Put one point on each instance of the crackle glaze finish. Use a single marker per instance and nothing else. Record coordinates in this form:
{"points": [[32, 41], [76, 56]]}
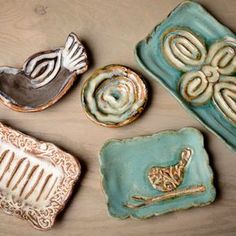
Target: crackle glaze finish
{"points": [[114, 96], [36, 178], [194, 57], [153, 175]]}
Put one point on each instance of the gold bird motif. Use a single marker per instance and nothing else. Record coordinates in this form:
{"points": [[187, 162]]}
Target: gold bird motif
{"points": [[167, 179]]}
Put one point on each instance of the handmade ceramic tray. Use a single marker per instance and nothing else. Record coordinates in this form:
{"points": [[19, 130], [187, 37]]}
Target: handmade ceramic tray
{"points": [[36, 178], [44, 78], [152, 175], [193, 56], [114, 96]]}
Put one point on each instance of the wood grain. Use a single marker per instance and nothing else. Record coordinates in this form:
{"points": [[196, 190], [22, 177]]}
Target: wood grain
{"points": [[110, 29]]}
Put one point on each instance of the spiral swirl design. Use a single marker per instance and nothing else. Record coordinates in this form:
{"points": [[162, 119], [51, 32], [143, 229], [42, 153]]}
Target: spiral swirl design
{"points": [[195, 87], [225, 97], [208, 75], [183, 49], [114, 96]]}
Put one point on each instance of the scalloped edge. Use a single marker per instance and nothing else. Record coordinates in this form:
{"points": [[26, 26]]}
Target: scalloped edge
{"points": [[18, 134], [206, 157]]}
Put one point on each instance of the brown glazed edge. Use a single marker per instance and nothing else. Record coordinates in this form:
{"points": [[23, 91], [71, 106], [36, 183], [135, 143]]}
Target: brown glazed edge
{"points": [[76, 161], [41, 107], [127, 121]]}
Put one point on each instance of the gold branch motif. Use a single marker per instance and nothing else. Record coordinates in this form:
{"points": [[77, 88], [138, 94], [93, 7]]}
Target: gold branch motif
{"points": [[208, 75], [146, 201]]}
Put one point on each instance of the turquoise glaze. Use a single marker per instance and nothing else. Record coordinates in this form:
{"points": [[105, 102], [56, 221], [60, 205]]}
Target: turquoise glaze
{"points": [[150, 55], [125, 164]]}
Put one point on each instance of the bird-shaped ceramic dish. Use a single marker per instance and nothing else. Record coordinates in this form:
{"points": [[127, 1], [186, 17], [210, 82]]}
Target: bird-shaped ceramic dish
{"points": [[152, 175], [44, 78]]}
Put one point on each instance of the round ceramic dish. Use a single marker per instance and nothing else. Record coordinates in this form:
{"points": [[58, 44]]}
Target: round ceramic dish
{"points": [[114, 96]]}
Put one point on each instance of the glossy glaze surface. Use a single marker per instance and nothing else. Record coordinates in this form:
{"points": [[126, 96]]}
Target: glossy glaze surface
{"points": [[153, 175], [123, 24], [36, 178], [194, 57], [114, 96], [44, 78]]}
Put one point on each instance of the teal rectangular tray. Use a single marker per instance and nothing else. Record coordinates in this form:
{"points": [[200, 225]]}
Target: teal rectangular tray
{"points": [[186, 179], [193, 56]]}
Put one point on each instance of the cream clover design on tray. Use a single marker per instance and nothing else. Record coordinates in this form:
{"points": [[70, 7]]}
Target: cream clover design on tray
{"points": [[208, 74]]}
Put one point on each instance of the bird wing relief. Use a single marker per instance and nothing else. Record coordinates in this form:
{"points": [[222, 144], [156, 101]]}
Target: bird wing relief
{"points": [[44, 78], [74, 56], [43, 67]]}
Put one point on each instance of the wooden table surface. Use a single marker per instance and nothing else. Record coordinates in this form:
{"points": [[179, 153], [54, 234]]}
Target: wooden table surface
{"points": [[110, 29]]}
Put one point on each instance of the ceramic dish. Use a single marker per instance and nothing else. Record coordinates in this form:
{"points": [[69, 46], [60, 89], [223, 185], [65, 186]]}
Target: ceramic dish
{"points": [[114, 96], [36, 178], [153, 175], [44, 78], [194, 57]]}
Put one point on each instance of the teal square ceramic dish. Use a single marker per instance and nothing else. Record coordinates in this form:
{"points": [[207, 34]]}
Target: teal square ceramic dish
{"points": [[194, 57], [153, 175]]}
